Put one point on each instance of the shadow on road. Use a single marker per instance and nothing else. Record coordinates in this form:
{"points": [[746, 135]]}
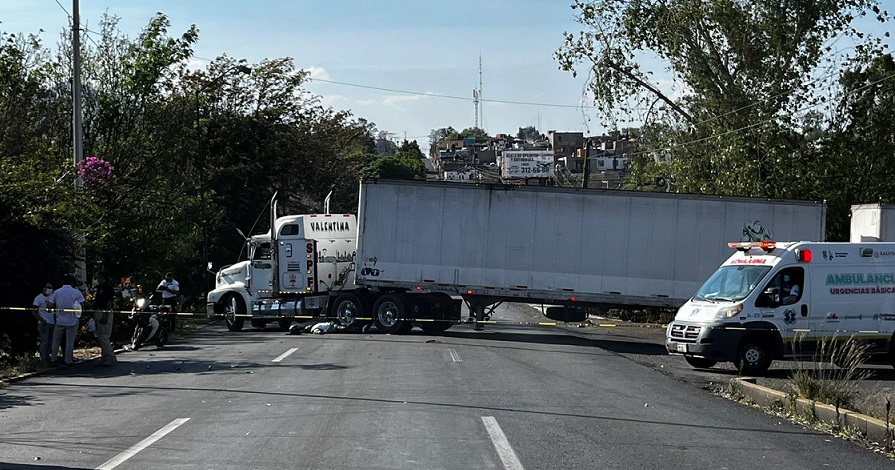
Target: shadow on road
{"points": [[614, 345]]}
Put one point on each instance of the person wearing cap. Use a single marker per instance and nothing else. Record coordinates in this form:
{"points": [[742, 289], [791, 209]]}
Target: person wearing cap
{"points": [[46, 322]]}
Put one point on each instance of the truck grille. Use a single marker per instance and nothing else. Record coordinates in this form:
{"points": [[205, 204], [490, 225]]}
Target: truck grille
{"points": [[685, 332]]}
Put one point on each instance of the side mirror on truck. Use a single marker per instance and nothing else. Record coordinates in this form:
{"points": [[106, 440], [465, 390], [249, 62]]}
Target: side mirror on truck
{"points": [[566, 314]]}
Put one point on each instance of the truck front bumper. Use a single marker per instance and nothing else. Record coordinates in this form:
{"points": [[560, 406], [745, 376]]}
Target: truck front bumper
{"points": [[713, 342]]}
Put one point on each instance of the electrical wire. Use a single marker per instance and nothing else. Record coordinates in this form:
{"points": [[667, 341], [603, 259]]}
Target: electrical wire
{"points": [[453, 97]]}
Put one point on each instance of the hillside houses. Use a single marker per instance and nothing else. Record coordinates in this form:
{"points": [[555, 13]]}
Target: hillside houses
{"points": [[479, 159]]}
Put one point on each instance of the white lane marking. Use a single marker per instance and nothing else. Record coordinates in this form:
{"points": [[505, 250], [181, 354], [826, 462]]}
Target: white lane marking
{"points": [[454, 356], [284, 355], [122, 457], [501, 444]]}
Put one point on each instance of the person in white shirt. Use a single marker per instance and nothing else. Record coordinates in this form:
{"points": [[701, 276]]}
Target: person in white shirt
{"points": [[46, 322], [169, 287], [67, 301]]}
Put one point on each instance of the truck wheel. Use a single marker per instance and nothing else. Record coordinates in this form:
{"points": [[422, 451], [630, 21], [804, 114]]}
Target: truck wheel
{"points": [[259, 324], [435, 327], [754, 357], [236, 307], [699, 362], [388, 313], [347, 308]]}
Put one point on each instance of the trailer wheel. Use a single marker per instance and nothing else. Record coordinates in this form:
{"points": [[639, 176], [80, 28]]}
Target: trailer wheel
{"points": [[435, 327], [754, 357], [347, 308], [699, 362], [235, 308], [389, 313]]}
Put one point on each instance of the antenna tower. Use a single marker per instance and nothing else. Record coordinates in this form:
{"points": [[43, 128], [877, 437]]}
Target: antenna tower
{"points": [[477, 97]]}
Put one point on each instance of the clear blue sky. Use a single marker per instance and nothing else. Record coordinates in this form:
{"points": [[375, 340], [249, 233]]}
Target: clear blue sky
{"points": [[429, 47]]}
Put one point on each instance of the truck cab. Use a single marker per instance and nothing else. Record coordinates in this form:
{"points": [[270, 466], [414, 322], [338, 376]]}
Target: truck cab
{"points": [[785, 300], [289, 272]]}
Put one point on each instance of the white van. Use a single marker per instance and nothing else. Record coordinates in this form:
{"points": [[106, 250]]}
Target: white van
{"points": [[779, 300]]}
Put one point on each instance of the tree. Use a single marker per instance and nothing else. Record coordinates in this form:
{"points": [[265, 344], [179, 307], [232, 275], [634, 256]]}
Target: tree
{"points": [[861, 143], [439, 135], [473, 132], [528, 134], [746, 68], [384, 144]]}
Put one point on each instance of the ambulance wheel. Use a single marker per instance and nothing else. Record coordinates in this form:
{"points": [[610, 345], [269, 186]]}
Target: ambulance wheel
{"points": [[699, 362], [754, 357], [235, 307], [389, 313], [347, 308]]}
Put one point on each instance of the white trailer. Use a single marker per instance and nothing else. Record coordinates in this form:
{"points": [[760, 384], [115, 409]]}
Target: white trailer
{"points": [[872, 223], [421, 246]]}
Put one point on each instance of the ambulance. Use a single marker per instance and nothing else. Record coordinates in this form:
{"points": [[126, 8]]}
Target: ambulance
{"points": [[774, 300]]}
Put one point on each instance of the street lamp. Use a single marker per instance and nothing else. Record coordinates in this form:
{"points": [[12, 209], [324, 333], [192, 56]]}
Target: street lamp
{"points": [[236, 68]]}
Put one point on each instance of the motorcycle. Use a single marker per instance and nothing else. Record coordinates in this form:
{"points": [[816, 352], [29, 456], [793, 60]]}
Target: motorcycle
{"points": [[152, 323]]}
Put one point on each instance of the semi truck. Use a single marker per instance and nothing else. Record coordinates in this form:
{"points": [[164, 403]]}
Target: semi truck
{"points": [[872, 223], [416, 251]]}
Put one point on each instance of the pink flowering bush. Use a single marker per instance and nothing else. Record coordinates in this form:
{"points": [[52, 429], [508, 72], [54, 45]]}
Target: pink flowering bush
{"points": [[94, 170]]}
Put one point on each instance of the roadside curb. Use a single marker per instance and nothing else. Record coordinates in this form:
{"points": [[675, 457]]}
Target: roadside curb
{"points": [[873, 429]]}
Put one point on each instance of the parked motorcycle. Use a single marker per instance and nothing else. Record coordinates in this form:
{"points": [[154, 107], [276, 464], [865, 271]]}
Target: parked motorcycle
{"points": [[152, 323]]}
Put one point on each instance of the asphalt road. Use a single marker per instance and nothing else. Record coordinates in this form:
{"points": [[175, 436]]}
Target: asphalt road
{"points": [[511, 397]]}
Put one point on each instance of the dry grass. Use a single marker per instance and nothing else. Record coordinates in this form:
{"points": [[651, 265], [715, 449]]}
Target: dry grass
{"points": [[834, 373]]}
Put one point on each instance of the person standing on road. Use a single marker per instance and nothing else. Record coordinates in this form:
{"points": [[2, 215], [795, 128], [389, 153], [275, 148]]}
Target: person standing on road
{"points": [[46, 322], [103, 317], [169, 287], [67, 301]]}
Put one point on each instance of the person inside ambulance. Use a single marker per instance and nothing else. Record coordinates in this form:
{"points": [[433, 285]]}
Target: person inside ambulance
{"points": [[790, 290], [785, 287]]}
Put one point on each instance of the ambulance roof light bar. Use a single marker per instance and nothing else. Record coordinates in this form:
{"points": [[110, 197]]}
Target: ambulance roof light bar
{"points": [[767, 246]]}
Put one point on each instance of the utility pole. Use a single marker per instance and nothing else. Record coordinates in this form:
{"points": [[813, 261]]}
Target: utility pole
{"points": [[77, 132]]}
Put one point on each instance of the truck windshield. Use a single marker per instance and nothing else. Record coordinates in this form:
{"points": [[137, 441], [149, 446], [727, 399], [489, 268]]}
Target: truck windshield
{"points": [[731, 283]]}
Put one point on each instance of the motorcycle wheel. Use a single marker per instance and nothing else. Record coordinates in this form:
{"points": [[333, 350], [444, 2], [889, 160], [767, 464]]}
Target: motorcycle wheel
{"points": [[162, 338], [138, 338]]}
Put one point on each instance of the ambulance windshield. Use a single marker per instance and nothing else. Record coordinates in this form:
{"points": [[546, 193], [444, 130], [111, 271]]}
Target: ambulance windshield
{"points": [[731, 283]]}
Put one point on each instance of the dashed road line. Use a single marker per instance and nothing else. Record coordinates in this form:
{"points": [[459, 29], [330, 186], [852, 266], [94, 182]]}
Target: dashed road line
{"points": [[454, 356], [122, 457], [284, 355], [501, 444]]}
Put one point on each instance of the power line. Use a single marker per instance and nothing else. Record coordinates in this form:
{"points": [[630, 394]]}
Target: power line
{"points": [[452, 97], [759, 123]]}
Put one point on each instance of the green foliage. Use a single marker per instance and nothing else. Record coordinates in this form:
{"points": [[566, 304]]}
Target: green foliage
{"points": [[753, 119], [473, 132], [528, 133], [445, 133], [402, 166], [193, 152]]}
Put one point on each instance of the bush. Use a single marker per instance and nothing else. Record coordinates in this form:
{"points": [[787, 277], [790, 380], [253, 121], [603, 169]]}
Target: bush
{"points": [[833, 373]]}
